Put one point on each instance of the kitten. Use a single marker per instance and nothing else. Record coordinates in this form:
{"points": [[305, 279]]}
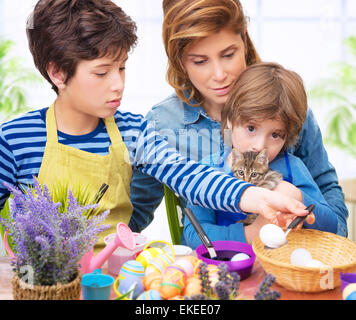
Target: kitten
{"points": [[253, 167]]}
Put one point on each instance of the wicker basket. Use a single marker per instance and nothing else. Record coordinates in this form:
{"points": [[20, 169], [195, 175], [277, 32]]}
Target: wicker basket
{"points": [[336, 252], [68, 291]]}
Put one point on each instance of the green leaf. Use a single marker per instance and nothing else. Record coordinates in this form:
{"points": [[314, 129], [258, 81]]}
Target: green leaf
{"points": [[352, 135], [339, 90], [13, 76]]}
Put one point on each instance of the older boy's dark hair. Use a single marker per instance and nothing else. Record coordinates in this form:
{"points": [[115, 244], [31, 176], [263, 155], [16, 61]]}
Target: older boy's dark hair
{"points": [[267, 91], [67, 31]]}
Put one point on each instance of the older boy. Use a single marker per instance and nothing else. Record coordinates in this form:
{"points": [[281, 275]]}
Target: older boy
{"points": [[81, 47], [266, 109]]}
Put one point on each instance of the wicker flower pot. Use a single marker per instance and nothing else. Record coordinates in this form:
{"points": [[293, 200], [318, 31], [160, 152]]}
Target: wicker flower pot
{"points": [[68, 291]]}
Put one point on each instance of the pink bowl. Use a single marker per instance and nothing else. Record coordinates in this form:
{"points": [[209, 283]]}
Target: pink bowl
{"points": [[225, 251]]}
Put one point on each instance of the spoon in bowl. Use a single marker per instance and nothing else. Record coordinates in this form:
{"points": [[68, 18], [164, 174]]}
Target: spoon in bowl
{"points": [[201, 233]]}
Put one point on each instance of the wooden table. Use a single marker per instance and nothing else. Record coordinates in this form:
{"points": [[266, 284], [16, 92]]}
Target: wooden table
{"points": [[247, 288]]}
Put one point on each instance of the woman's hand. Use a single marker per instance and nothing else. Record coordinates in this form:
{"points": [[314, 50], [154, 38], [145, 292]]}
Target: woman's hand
{"points": [[270, 203]]}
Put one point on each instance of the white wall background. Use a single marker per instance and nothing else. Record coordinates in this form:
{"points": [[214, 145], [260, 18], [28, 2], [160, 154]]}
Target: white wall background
{"points": [[305, 36]]}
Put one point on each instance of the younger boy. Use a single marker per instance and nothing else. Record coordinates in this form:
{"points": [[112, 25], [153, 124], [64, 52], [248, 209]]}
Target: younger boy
{"points": [[266, 109], [81, 47]]}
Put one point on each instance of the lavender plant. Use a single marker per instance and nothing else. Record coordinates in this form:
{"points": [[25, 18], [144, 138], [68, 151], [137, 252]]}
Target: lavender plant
{"points": [[228, 285], [264, 292], [47, 240]]}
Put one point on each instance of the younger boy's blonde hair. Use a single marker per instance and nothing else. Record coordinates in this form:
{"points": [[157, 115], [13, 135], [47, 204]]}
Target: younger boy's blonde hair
{"points": [[267, 91]]}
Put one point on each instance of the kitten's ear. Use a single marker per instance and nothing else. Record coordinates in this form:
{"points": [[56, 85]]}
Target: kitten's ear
{"points": [[262, 157], [236, 155]]}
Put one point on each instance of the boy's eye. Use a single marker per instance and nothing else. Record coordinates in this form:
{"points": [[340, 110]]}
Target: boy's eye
{"points": [[123, 68], [251, 128], [276, 135]]}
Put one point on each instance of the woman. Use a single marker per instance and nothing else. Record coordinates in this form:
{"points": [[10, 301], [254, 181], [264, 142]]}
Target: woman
{"points": [[208, 46]]}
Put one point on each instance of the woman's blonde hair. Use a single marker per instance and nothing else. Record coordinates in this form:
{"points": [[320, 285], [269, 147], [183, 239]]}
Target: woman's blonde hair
{"points": [[267, 91], [186, 21]]}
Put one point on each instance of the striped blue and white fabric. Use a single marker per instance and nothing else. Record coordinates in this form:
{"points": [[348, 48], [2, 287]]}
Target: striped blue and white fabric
{"points": [[23, 140]]}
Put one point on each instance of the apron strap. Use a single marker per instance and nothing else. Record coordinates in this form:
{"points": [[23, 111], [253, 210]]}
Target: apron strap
{"points": [[113, 130], [52, 133], [51, 126]]}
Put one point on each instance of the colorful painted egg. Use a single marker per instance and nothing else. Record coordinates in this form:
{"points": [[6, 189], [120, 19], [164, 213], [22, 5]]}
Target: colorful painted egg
{"points": [[148, 254], [132, 268], [195, 262], [159, 263], [173, 282], [193, 286], [150, 295], [186, 265], [152, 281], [131, 283], [348, 291]]}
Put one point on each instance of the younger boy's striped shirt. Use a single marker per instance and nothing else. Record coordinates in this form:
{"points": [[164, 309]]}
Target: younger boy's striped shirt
{"points": [[23, 140]]}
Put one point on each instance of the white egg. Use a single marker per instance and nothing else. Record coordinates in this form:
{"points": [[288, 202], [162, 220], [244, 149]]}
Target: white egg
{"points": [[240, 257], [272, 236], [300, 257], [314, 264]]}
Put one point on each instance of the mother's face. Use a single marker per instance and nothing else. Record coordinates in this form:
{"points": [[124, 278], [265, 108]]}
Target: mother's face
{"points": [[213, 64]]}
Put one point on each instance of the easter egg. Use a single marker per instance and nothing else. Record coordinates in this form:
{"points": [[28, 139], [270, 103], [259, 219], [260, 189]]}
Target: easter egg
{"points": [[148, 254], [193, 286], [272, 235], [351, 296], [186, 265], [150, 295], [173, 282], [159, 263], [131, 283], [195, 262], [132, 268], [313, 263], [348, 290], [240, 257], [152, 281], [300, 257]]}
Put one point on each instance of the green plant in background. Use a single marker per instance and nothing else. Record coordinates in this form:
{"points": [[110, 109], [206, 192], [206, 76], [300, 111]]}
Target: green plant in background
{"points": [[12, 78], [340, 91]]}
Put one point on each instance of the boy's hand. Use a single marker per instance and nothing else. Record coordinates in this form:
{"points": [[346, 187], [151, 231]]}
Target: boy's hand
{"points": [[284, 220], [268, 203]]}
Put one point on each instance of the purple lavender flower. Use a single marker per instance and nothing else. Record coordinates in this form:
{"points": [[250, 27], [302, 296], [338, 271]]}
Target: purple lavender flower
{"points": [[204, 277], [222, 290], [264, 292], [49, 241]]}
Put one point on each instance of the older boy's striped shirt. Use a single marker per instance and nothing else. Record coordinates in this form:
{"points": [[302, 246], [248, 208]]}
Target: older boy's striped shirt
{"points": [[23, 140]]}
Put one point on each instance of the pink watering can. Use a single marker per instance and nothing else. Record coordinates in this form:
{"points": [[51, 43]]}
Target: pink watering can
{"points": [[89, 262]]}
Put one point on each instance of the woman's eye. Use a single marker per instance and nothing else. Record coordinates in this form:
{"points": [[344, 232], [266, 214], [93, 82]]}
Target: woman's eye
{"points": [[198, 62], [275, 135], [229, 55], [100, 74], [251, 128]]}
